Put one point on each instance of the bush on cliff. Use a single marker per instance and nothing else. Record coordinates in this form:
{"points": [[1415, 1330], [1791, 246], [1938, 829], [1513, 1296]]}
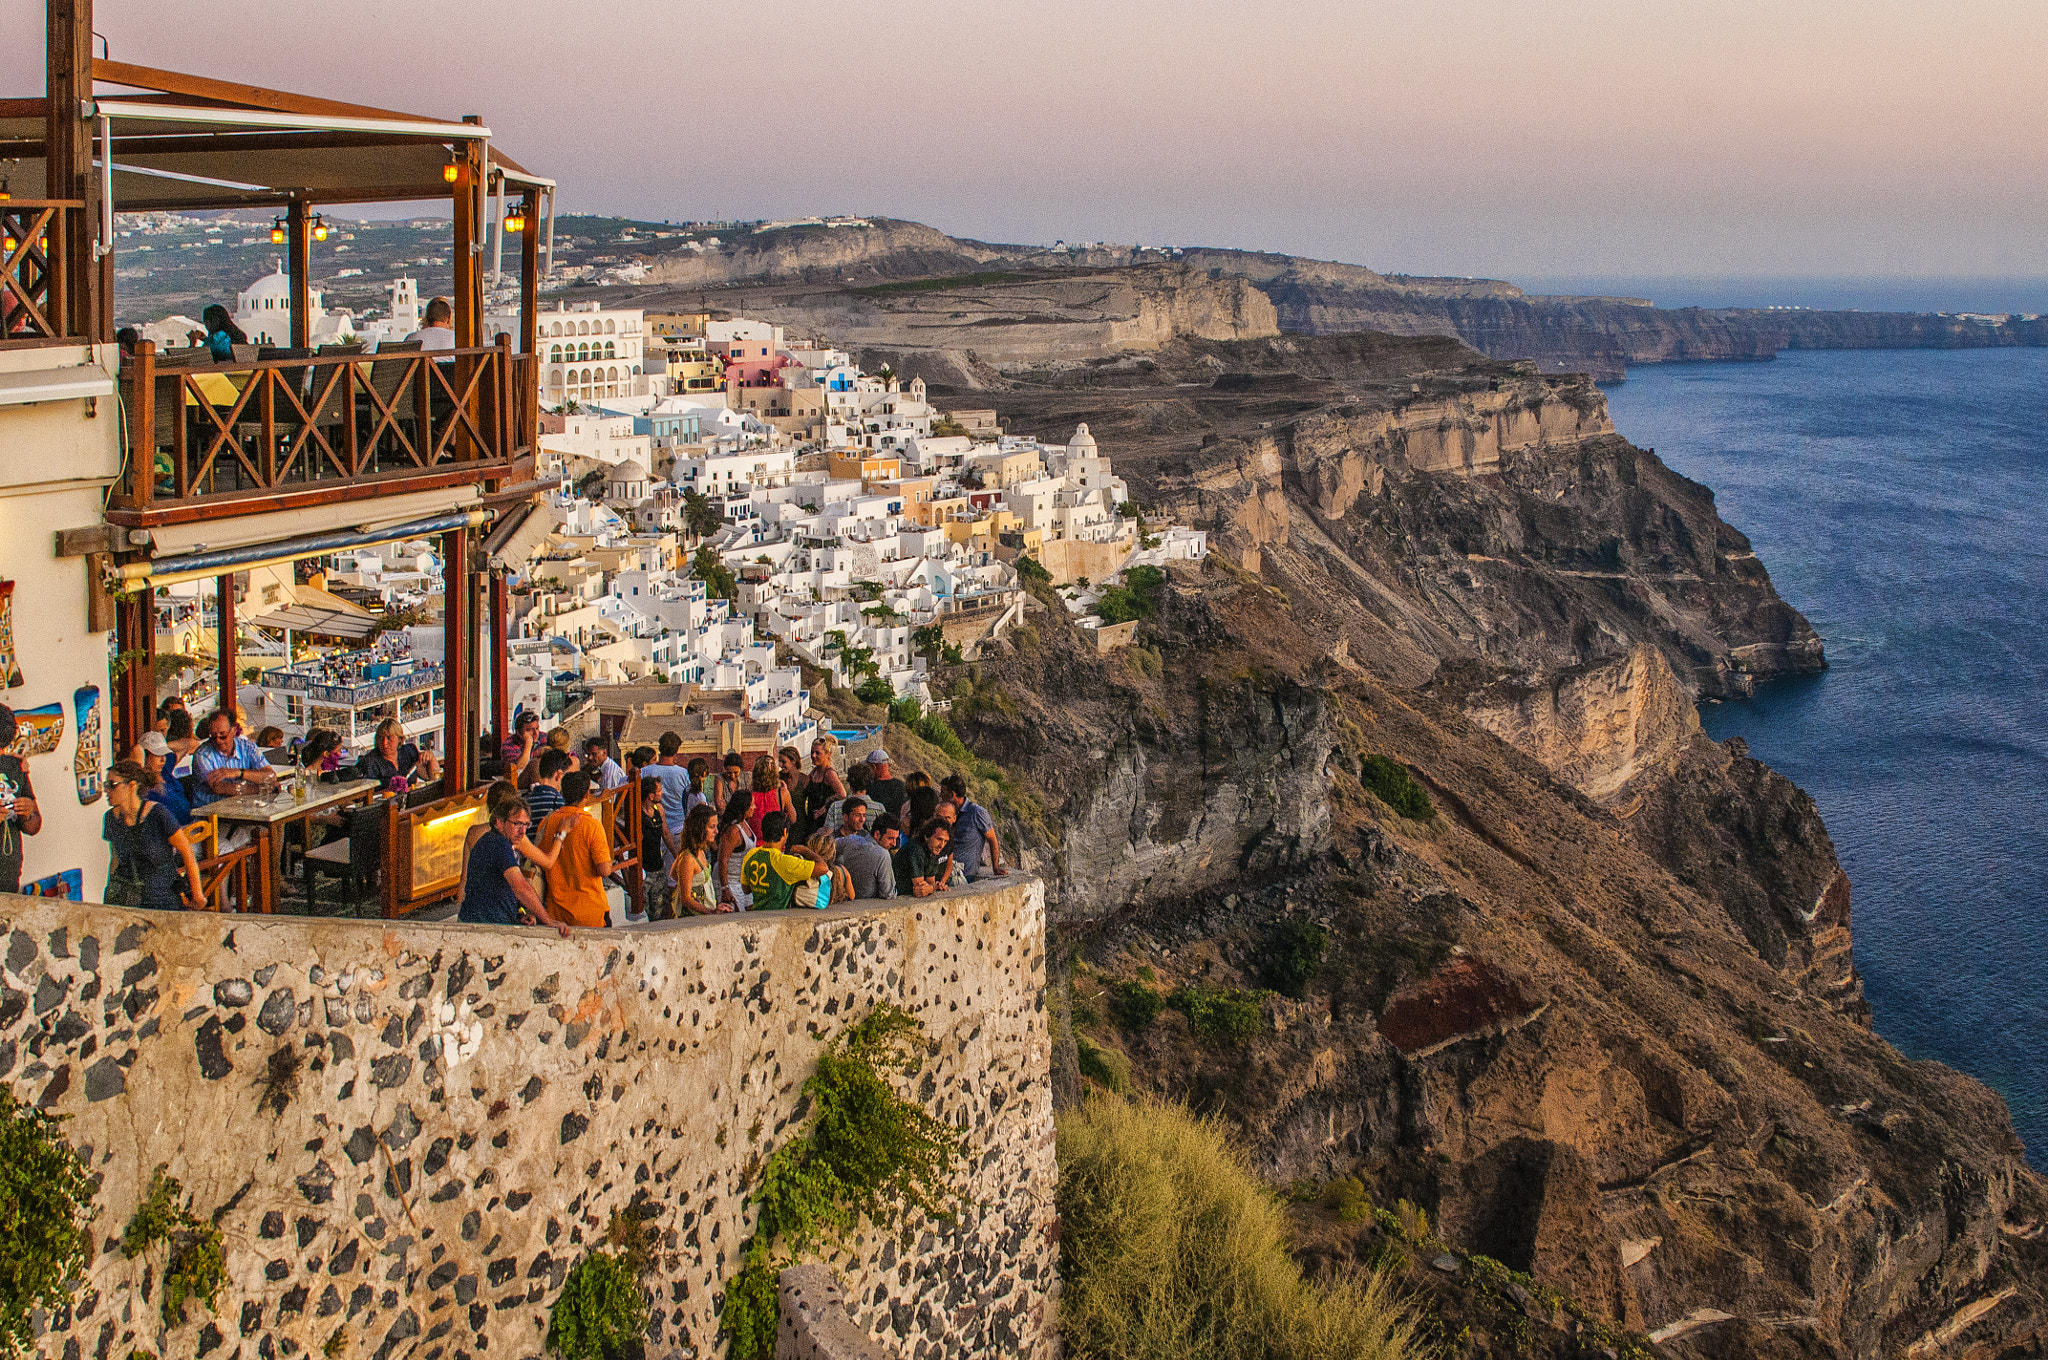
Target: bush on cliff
{"points": [[46, 1206], [1391, 783], [600, 1311], [1169, 1250]]}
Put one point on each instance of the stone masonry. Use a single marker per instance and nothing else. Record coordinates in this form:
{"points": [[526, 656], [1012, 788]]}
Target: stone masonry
{"points": [[408, 1133]]}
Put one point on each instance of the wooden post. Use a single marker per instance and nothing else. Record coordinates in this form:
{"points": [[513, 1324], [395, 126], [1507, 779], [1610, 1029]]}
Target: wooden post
{"points": [[501, 661], [458, 662], [469, 236], [529, 274], [68, 167], [224, 628], [141, 377], [135, 643], [298, 236]]}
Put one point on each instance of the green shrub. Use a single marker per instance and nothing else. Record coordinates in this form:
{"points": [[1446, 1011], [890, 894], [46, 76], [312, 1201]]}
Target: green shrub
{"points": [[195, 1262], [1346, 1198], [867, 1153], [1391, 783], [1030, 572], [1133, 1005], [874, 690], [1218, 1014], [600, 1310], [1169, 1250], [718, 580], [46, 1207], [1136, 598], [1293, 956], [1105, 1065]]}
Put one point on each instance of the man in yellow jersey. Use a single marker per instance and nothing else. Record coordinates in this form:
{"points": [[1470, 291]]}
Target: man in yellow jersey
{"points": [[772, 876]]}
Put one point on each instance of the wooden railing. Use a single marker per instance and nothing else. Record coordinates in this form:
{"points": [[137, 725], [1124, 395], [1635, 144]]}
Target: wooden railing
{"points": [[424, 847], [210, 439], [35, 275]]}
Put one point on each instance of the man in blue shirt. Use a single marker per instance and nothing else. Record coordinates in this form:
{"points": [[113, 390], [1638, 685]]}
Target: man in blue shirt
{"points": [[546, 794], [493, 888], [229, 764], [873, 873], [675, 784], [974, 832], [601, 765]]}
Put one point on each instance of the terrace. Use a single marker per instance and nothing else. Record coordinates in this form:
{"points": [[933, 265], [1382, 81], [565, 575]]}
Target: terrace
{"points": [[188, 469], [280, 453]]}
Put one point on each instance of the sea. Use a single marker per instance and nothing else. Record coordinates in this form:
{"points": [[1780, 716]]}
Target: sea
{"points": [[1899, 499]]}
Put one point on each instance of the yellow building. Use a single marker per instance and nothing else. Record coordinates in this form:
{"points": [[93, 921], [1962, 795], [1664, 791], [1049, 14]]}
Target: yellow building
{"points": [[865, 466], [695, 370], [1005, 470]]}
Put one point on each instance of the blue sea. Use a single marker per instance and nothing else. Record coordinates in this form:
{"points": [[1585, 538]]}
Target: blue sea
{"points": [[1900, 500]]}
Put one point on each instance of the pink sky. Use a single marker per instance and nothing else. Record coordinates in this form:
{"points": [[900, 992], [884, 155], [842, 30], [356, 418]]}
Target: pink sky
{"points": [[1758, 139]]}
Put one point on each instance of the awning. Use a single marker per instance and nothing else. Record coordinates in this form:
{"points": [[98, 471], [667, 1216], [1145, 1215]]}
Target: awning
{"points": [[197, 566], [331, 623], [196, 142]]}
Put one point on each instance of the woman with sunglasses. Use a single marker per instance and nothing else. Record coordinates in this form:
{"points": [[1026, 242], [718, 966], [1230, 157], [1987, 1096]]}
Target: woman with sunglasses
{"points": [[148, 843]]}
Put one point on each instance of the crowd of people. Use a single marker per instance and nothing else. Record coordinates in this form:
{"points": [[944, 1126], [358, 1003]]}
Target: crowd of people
{"points": [[729, 838]]}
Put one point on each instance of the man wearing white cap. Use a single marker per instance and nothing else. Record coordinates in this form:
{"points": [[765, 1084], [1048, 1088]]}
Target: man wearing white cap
{"points": [[891, 792]]}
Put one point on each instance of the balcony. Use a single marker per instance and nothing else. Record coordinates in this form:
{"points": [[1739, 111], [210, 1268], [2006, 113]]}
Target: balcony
{"points": [[280, 433], [34, 271]]}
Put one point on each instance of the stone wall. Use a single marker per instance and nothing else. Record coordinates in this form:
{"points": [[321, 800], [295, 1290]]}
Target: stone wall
{"points": [[408, 1134]]}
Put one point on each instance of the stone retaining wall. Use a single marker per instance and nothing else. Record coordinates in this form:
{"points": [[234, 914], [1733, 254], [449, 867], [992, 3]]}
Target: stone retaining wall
{"points": [[409, 1133]]}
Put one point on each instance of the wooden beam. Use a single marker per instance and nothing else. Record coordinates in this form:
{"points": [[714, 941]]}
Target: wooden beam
{"points": [[458, 662], [95, 538], [224, 638], [134, 697], [529, 274], [68, 165], [467, 256], [233, 92], [24, 108], [501, 662], [298, 237], [229, 505]]}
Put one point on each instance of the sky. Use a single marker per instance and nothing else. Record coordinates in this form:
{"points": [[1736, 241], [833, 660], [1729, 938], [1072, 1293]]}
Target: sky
{"points": [[1788, 140]]}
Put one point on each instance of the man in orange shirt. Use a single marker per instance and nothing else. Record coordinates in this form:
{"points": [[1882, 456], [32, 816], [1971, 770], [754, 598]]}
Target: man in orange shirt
{"points": [[583, 853]]}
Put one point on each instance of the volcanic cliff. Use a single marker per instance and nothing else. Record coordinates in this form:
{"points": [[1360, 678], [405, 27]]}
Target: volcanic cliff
{"points": [[1596, 1012]]}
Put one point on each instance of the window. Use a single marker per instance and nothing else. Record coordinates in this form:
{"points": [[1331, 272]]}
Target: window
{"points": [[610, 350]]}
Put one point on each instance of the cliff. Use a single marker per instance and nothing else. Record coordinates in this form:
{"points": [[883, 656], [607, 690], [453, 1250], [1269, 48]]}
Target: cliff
{"points": [[1008, 306], [408, 1134], [1598, 1016]]}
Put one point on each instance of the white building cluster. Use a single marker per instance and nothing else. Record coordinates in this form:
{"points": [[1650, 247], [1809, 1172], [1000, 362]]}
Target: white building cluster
{"points": [[728, 501]]}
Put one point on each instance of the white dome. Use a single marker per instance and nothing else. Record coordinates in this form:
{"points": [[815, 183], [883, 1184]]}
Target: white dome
{"points": [[1082, 439], [277, 285]]}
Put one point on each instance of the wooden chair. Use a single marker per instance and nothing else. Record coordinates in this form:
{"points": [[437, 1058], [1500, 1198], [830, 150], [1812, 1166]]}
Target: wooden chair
{"points": [[356, 857], [389, 380]]}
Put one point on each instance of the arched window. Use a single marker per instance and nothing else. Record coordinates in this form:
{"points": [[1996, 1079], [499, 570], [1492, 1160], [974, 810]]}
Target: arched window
{"points": [[583, 328], [612, 375], [555, 355], [582, 352], [636, 370], [555, 329], [610, 350], [611, 328]]}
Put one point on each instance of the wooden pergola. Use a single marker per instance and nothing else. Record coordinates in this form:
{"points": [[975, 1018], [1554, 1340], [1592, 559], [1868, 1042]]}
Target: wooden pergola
{"points": [[314, 448]]}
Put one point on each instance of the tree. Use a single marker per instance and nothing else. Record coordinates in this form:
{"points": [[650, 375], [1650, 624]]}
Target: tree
{"points": [[927, 640], [874, 690], [700, 516], [718, 582]]}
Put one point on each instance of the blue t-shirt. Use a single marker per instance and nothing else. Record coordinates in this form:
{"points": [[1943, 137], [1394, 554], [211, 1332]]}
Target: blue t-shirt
{"points": [[542, 799], [969, 842], [675, 793], [208, 758], [487, 899], [172, 795]]}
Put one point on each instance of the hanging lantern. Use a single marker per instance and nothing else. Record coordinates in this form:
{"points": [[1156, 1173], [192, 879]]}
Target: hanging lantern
{"points": [[277, 231], [515, 220], [319, 227], [449, 171]]}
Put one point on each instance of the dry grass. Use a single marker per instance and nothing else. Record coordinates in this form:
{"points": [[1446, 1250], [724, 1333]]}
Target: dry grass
{"points": [[1170, 1250]]}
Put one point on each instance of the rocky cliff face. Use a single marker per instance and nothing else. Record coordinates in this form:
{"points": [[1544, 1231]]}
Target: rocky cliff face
{"points": [[846, 255], [971, 333], [1599, 1015]]}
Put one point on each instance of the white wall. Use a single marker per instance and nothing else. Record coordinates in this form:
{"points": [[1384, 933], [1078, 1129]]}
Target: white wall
{"points": [[55, 462]]}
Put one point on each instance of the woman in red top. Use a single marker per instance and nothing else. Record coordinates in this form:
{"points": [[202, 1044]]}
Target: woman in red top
{"points": [[770, 794]]}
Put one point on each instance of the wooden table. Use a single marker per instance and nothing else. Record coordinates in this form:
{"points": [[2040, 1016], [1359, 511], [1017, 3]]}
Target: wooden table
{"points": [[270, 813]]}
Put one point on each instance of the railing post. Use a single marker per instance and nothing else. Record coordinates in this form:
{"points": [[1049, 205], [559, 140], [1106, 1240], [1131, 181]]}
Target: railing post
{"points": [[501, 401], [141, 375]]}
